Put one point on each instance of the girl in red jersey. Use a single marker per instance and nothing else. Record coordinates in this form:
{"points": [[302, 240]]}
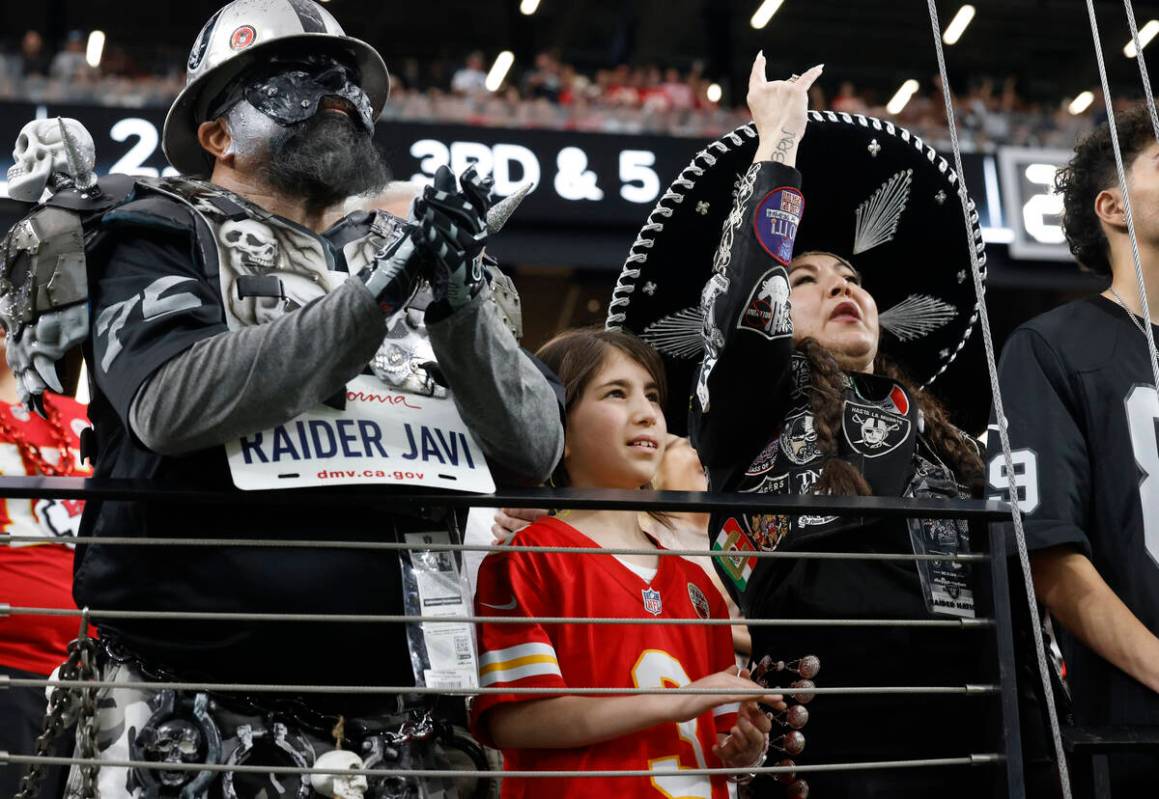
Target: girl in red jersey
{"points": [[615, 437]]}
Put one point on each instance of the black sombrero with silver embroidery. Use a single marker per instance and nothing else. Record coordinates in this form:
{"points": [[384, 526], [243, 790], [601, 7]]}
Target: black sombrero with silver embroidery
{"points": [[874, 194]]}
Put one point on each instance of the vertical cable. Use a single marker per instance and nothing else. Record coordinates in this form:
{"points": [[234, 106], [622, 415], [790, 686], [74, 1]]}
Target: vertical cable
{"points": [[1000, 415]]}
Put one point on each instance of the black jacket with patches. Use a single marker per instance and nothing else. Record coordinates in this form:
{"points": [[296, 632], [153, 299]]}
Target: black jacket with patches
{"points": [[754, 432]]}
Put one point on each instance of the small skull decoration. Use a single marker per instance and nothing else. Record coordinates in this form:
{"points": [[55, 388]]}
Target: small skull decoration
{"points": [[251, 246], [340, 786], [40, 156], [174, 741], [402, 360]]}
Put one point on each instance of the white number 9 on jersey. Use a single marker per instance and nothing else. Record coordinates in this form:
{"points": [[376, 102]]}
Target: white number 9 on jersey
{"points": [[1025, 480]]}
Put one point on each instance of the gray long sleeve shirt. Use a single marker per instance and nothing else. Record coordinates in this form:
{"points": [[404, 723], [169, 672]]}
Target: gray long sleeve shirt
{"points": [[245, 380]]}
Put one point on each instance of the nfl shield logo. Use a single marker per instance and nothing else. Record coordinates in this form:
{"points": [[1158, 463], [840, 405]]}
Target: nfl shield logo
{"points": [[652, 601]]}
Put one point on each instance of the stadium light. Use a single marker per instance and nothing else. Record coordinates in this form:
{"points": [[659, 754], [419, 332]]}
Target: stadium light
{"points": [[765, 12], [1146, 34], [499, 69], [958, 24], [902, 96], [1081, 103], [528, 7], [714, 93], [95, 48]]}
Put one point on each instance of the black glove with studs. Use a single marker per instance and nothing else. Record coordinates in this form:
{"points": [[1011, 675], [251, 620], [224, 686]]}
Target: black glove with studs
{"points": [[394, 276], [452, 231]]}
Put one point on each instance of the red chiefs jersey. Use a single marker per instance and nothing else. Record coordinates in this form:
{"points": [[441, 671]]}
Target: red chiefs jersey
{"points": [[602, 656], [38, 574]]}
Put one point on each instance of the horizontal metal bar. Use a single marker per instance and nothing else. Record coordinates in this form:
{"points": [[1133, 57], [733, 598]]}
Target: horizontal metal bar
{"points": [[899, 690], [393, 546], [969, 760], [176, 615], [585, 498]]}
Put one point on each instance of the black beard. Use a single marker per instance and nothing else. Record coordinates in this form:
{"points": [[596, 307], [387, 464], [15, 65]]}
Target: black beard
{"points": [[324, 160]]}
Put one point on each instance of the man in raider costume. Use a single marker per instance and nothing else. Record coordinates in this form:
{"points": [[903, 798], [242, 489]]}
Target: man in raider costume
{"points": [[221, 305]]}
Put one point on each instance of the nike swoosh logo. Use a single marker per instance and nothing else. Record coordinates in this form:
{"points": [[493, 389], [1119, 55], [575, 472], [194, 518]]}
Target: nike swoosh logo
{"points": [[509, 606]]}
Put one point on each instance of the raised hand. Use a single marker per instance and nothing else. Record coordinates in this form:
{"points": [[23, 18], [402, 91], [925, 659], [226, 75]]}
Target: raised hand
{"points": [[452, 232], [779, 109], [393, 277]]}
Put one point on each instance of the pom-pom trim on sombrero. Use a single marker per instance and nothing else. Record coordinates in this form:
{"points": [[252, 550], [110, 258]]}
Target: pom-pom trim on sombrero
{"points": [[877, 220]]}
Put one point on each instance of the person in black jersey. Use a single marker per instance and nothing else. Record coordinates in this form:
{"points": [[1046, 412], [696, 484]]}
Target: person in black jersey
{"points": [[1083, 419], [794, 395]]}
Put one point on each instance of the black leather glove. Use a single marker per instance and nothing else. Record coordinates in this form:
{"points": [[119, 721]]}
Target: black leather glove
{"points": [[451, 219], [394, 277]]}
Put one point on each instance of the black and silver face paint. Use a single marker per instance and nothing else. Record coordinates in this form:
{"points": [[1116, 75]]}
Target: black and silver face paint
{"points": [[291, 91]]}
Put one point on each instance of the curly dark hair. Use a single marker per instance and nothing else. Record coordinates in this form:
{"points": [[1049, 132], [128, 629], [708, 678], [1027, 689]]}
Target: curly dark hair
{"points": [[839, 477], [1092, 170]]}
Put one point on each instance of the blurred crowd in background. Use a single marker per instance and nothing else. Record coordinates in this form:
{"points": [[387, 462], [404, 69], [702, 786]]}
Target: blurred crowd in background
{"points": [[551, 93]]}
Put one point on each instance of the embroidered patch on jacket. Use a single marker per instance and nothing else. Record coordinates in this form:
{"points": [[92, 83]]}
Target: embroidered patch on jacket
{"points": [[733, 541], [874, 431], [768, 530], [799, 439], [766, 460], [767, 311], [777, 217]]}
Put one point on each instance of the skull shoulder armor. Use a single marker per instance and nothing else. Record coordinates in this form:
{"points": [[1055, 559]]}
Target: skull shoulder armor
{"points": [[42, 266], [43, 294]]}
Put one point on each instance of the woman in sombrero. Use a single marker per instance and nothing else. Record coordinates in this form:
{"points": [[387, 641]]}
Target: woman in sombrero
{"points": [[814, 275]]}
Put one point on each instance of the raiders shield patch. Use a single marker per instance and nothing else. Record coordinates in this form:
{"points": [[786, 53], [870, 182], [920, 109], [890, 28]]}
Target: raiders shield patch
{"points": [[776, 220], [699, 601], [873, 431], [767, 311]]}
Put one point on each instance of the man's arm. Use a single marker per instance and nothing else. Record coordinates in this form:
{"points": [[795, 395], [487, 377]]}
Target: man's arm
{"points": [[503, 397], [1070, 587], [251, 379]]}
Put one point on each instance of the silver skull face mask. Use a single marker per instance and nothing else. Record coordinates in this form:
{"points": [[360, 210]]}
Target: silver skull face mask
{"points": [[293, 91]]}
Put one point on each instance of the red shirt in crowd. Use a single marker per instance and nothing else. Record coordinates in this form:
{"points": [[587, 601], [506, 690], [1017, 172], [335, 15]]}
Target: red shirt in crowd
{"points": [[38, 574]]}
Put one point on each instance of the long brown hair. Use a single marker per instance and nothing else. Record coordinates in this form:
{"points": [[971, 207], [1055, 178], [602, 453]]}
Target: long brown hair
{"points": [[577, 355], [826, 401]]}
